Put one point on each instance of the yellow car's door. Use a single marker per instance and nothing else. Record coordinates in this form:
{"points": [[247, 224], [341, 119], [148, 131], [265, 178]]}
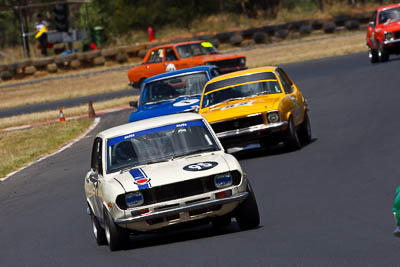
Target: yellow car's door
{"points": [[296, 103]]}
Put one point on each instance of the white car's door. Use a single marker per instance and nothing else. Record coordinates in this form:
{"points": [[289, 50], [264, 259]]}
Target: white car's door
{"points": [[93, 178]]}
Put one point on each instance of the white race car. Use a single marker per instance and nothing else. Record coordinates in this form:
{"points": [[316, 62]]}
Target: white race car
{"points": [[160, 172]]}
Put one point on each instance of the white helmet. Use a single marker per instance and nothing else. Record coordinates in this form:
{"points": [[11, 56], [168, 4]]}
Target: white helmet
{"points": [[170, 67]]}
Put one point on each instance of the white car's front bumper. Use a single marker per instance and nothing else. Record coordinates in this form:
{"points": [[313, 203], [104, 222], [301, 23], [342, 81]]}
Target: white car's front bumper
{"points": [[181, 213]]}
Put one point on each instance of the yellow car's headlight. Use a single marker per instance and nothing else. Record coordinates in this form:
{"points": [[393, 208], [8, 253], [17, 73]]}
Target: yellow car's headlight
{"points": [[273, 116]]}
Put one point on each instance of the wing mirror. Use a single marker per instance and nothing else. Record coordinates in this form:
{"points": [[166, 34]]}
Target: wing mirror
{"points": [[133, 104], [93, 177]]}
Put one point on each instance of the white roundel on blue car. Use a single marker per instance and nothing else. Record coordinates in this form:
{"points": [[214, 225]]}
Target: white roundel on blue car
{"points": [[185, 102]]}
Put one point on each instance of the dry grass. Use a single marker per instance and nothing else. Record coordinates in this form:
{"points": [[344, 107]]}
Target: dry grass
{"points": [[300, 51], [22, 147], [63, 89], [51, 115]]}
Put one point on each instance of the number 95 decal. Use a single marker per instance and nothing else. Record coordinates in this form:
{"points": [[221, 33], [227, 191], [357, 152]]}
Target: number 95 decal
{"points": [[200, 166]]}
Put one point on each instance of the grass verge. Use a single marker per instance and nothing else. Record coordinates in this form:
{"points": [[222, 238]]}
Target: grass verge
{"points": [[21, 147]]}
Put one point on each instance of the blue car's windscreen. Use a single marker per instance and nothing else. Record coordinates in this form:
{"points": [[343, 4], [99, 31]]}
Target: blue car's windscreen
{"points": [[174, 87], [158, 144]]}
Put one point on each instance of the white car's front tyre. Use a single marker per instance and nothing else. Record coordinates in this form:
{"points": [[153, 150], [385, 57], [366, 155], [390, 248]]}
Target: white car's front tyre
{"points": [[116, 237], [98, 231], [247, 215]]}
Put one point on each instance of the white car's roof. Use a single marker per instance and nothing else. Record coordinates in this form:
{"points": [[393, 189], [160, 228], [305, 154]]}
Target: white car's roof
{"points": [[148, 124]]}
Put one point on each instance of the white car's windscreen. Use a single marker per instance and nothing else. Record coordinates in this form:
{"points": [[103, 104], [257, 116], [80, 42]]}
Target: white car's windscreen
{"points": [[174, 87], [159, 144]]}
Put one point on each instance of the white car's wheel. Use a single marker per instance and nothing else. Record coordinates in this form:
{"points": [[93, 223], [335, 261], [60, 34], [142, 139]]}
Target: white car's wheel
{"points": [[247, 215], [116, 236], [98, 231]]}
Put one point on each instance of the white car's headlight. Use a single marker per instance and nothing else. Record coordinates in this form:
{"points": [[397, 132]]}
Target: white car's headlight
{"points": [[134, 199], [223, 180], [389, 36], [273, 116]]}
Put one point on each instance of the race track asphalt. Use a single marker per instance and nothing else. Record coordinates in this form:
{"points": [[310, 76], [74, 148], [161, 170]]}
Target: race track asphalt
{"points": [[328, 204]]}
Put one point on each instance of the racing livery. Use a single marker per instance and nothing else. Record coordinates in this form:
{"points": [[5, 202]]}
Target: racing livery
{"points": [[172, 92], [183, 55], [396, 211], [383, 34], [160, 172], [261, 104]]}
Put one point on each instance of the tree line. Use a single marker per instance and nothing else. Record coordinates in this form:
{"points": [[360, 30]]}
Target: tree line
{"points": [[122, 16]]}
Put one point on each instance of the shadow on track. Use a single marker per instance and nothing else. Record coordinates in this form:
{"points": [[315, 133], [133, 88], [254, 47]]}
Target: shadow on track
{"points": [[181, 235], [265, 152]]}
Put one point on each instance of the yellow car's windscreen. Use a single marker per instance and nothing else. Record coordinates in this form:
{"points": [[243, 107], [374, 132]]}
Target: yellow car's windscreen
{"points": [[240, 91]]}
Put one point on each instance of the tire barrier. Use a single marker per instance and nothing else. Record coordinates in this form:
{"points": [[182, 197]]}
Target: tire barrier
{"points": [[363, 18], [6, 75], [224, 37], [317, 24], [282, 33], [340, 20], [259, 37], [121, 57], [296, 25], [329, 27], [305, 30], [269, 29], [248, 33], [236, 40], [352, 25]]}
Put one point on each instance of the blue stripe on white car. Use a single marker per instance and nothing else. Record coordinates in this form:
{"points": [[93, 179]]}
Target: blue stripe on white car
{"points": [[140, 178]]}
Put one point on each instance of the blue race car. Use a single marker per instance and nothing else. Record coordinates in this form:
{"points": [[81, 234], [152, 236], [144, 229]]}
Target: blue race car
{"points": [[172, 92]]}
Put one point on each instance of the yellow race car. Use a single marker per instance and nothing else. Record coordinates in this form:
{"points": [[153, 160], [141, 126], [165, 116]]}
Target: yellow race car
{"points": [[261, 104]]}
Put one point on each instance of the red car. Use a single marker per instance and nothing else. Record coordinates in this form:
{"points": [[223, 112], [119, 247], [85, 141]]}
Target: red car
{"points": [[183, 55], [383, 36]]}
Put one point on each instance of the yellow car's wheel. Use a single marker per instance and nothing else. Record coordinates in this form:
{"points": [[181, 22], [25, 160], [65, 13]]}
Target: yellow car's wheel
{"points": [[305, 134], [292, 140]]}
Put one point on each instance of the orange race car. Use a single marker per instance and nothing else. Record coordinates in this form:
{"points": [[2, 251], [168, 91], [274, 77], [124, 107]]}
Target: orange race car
{"points": [[183, 55]]}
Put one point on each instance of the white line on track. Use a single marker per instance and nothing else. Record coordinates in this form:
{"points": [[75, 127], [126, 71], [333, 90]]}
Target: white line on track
{"points": [[94, 124]]}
